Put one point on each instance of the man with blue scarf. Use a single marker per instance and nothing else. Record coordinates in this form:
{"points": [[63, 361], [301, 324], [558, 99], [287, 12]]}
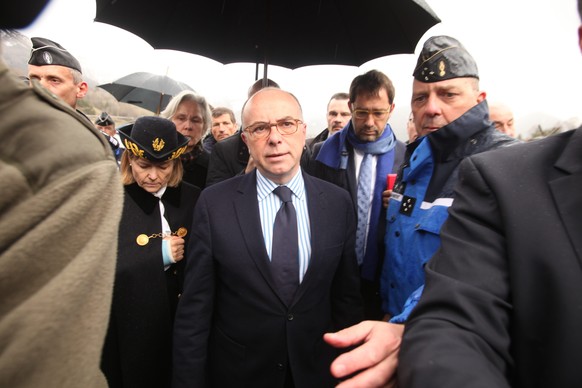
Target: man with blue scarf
{"points": [[452, 120], [359, 158]]}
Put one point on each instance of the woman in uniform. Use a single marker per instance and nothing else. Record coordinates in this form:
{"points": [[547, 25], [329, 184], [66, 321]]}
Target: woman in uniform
{"points": [[153, 233]]}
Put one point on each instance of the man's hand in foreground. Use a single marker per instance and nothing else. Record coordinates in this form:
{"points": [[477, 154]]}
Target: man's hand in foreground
{"points": [[375, 357]]}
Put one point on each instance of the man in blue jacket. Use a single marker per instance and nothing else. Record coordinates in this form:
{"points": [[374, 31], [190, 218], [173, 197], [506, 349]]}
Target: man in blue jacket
{"points": [[452, 120]]}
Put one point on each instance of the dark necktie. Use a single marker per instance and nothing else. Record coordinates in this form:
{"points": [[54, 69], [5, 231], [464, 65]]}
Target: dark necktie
{"points": [[285, 252]]}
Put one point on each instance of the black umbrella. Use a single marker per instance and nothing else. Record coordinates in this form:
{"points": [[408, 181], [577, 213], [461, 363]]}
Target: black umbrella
{"points": [[288, 33], [150, 91]]}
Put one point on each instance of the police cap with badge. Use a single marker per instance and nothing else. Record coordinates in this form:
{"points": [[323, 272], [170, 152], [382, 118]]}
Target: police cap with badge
{"points": [[153, 138], [443, 58], [104, 120], [46, 52]]}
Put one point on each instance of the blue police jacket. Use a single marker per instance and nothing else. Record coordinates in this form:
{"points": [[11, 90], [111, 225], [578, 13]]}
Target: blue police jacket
{"points": [[420, 200]]}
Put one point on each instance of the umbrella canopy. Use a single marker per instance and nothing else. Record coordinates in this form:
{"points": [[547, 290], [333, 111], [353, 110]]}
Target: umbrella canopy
{"points": [[288, 33], [150, 91]]}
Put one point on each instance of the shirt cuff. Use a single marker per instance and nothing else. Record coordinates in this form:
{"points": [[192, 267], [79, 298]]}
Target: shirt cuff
{"points": [[167, 253]]}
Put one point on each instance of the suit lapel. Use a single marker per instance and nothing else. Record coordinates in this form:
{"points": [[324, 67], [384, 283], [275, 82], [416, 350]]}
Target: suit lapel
{"points": [[566, 186], [249, 221]]}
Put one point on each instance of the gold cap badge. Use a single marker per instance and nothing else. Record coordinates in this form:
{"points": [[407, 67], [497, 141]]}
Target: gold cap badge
{"points": [[442, 69], [158, 144]]}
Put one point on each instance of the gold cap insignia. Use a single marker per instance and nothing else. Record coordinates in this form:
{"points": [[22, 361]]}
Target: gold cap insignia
{"points": [[158, 144], [442, 71]]}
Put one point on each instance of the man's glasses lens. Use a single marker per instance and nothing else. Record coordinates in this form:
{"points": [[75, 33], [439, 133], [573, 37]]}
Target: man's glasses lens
{"points": [[285, 127], [377, 114]]}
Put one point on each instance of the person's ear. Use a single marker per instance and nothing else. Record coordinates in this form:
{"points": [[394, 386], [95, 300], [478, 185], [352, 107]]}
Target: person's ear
{"points": [[83, 89]]}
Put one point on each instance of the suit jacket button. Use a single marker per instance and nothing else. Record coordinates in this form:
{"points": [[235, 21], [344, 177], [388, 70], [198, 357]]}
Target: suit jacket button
{"points": [[280, 366], [179, 295], [289, 317]]}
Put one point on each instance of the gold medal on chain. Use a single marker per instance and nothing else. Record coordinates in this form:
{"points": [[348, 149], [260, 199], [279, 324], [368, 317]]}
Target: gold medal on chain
{"points": [[142, 240]]}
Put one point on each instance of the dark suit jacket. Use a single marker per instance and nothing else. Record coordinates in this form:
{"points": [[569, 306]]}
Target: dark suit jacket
{"points": [[231, 325], [228, 158], [502, 303]]}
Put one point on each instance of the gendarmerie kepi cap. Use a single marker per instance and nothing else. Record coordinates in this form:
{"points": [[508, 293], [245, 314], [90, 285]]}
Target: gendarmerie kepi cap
{"points": [[46, 52], [153, 138], [104, 119], [442, 58]]}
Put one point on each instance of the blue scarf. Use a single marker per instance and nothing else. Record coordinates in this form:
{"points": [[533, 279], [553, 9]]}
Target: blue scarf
{"points": [[334, 153]]}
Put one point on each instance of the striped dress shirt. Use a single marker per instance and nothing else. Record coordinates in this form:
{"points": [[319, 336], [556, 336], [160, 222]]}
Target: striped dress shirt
{"points": [[269, 204]]}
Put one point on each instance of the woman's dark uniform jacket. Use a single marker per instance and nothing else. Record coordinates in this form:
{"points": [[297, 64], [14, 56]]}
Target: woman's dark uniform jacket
{"points": [[145, 296]]}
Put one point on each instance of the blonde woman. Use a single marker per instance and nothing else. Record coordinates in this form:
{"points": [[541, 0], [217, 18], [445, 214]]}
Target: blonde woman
{"points": [[153, 234]]}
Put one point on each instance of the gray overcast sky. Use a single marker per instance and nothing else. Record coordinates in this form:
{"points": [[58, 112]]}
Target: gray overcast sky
{"points": [[526, 50]]}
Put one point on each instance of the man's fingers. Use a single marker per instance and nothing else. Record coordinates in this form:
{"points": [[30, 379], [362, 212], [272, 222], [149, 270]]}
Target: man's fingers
{"points": [[382, 375], [363, 357], [375, 358], [353, 335]]}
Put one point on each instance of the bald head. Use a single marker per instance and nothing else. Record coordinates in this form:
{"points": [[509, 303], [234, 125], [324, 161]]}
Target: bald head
{"points": [[274, 131], [260, 101]]}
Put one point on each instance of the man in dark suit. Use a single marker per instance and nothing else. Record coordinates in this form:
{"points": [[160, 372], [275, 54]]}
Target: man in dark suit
{"points": [[235, 325], [339, 159]]}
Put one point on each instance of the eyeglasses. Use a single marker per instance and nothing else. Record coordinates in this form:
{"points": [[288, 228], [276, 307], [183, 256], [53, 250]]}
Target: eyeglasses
{"points": [[262, 130], [378, 114]]}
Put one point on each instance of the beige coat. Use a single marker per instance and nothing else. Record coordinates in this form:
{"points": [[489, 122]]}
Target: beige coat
{"points": [[60, 204]]}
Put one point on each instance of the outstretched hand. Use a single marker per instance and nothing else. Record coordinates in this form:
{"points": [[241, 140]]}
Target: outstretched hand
{"points": [[374, 359]]}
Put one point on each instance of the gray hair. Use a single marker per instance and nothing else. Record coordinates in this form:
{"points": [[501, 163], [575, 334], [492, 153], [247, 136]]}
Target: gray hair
{"points": [[188, 95], [77, 76]]}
